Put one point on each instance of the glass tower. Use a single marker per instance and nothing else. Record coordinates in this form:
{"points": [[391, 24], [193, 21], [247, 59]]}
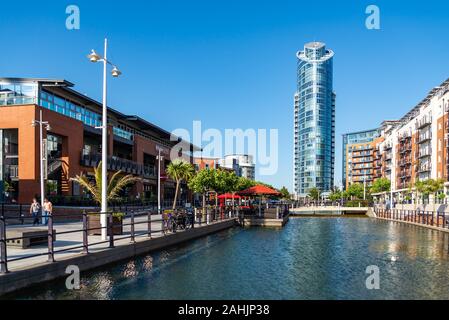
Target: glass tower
{"points": [[314, 137]]}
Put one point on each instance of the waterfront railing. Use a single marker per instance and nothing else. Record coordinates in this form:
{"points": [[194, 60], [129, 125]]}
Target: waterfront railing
{"points": [[169, 223], [427, 218]]}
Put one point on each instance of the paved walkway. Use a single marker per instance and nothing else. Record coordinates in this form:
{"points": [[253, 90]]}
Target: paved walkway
{"points": [[69, 241]]}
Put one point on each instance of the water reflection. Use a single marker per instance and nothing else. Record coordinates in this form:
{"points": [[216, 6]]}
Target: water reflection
{"points": [[311, 258]]}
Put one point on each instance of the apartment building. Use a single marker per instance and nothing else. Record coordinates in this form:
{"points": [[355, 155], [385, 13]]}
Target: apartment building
{"points": [[358, 154], [73, 143], [410, 149], [242, 164]]}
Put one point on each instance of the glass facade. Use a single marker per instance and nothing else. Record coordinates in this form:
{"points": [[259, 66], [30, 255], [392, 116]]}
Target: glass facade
{"points": [[22, 93], [355, 138], [314, 153], [18, 93]]}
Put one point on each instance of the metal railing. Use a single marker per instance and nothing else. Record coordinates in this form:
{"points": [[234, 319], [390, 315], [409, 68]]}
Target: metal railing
{"points": [[428, 218], [169, 224]]}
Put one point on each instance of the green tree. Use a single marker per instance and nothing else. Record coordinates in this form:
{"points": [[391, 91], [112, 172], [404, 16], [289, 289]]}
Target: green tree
{"points": [[245, 183], [203, 182], [179, 170], [285, 194], [336, 194], [434, 187], [421, 189], [116, 184], [314, 193], [355, 191], [381, 185]]}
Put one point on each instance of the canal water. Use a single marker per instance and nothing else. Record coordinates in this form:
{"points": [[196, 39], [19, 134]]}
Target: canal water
{"points": [[311, 258]]}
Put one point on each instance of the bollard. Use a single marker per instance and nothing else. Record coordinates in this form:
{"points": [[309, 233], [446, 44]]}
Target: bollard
{"points": [[3, 246], [51, 253], [85, 233], [149, 224], [207, 217], [133, 237], [111, 230]]}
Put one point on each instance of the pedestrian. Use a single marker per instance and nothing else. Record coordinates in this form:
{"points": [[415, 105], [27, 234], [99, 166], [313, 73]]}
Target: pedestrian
{"points": [[48, 209], [34, 211]]}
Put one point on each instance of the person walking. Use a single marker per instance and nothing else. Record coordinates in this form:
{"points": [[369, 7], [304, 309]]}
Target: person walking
{"points": [[48, 209], [34, 211]]}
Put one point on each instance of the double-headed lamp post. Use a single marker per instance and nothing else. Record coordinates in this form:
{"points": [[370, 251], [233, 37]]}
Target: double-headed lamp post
{"points": [[94, 57], [42, 154]]}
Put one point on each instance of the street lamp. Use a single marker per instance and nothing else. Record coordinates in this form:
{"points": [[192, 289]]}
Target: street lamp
{"points": [[43, 156], [159, 158], [94, 57]]}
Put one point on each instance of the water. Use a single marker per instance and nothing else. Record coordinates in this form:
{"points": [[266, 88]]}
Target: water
{"points": [[311, 258]]}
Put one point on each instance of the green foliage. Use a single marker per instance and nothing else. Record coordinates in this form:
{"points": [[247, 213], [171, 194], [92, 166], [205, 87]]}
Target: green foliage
{"points": [[179, 170], [314, 194], [285, 194], [381, 185], [116, 184], [204, 181], [336, 194], [357, 203], [245, 183], [355, 191]]}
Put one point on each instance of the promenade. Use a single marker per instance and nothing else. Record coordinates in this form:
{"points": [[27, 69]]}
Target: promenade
{"points": [[34, 264]]}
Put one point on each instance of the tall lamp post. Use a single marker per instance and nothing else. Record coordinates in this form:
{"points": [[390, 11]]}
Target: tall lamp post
{"points": [[42, 154], [115, 72], [159, 159]]}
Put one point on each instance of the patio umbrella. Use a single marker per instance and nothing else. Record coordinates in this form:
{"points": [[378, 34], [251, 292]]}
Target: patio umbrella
{"points": [[260, 191]]}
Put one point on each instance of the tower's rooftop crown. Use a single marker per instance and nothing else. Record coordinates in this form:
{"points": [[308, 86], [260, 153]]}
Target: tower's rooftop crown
{"points": [[314, 45]]}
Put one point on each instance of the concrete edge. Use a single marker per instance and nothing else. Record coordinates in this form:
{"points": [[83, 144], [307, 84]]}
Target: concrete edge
{"points": [[44, 272], [415, 224]]}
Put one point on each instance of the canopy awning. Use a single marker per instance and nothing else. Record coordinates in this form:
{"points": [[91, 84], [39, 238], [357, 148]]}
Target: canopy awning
{"points": [[259, 190], [229, 196]]}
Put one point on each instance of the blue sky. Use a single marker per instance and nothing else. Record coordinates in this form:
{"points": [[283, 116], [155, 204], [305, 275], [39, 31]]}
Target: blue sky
{"points": [[231, 64]]}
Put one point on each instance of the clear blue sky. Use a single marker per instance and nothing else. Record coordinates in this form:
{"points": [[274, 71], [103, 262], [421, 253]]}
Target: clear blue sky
{"points": [[231, 64]]}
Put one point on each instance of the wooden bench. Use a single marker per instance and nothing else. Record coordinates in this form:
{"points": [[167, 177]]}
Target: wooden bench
{"points": [[28, 237]]}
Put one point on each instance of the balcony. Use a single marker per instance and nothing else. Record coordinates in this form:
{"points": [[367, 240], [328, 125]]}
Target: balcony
{"points": [[119, 164], [424, 138], [424, 122], [403, 138], [405, 162], [406, 148], [424, 154]]}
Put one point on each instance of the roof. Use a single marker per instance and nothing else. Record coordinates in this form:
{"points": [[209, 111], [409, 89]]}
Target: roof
{"points": [[57, 84]]}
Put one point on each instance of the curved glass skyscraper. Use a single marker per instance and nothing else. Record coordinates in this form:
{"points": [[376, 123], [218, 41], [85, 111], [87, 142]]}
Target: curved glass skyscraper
{"points": [[314, 139]]}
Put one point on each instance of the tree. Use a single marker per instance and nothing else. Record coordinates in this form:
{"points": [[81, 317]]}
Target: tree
{"points": [[381, 185], [336, 194], [421, 188], [179, 170], [355, 191], [314, 194], [204, 181], [285, 194], [245, 183], [434, 187], [116, 184], [232, 182]]}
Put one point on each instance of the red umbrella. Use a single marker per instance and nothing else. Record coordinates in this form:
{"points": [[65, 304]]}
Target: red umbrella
{"points": [[259, 190], [229, 196]]}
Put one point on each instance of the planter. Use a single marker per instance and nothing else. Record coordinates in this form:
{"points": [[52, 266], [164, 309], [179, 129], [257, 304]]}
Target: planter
{"points": [[94, 225]]}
